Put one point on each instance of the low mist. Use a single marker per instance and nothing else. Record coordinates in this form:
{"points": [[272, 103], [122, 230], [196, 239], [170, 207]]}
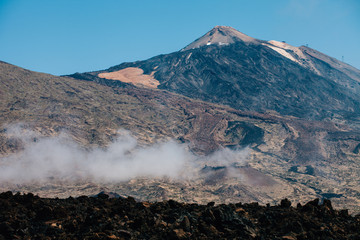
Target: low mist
{"points": [[61, 158]]}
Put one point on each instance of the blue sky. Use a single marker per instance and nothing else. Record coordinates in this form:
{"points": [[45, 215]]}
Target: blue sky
{"points": [[67, 36]]}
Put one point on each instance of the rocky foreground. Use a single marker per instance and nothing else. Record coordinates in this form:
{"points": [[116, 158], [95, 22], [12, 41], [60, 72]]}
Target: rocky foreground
{"points": [[31, 217]]}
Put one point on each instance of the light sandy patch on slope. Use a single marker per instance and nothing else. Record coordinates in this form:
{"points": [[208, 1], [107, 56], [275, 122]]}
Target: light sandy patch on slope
{"points": [[293, 53], [282, 52], [134, 76]]}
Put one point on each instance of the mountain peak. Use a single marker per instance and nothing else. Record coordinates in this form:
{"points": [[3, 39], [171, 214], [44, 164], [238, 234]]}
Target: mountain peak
{"points": [[220, 35], [219, 27]]}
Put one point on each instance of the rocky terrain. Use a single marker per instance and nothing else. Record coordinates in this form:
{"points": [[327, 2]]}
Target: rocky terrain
{"points": [[31, 217], [286, 116]]}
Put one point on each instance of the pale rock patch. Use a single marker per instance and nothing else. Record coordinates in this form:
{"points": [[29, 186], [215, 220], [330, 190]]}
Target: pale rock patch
{"points": [[134, 76]]}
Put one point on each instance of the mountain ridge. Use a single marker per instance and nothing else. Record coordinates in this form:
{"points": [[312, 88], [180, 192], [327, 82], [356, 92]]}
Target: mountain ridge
{"points": [[296, 54]]}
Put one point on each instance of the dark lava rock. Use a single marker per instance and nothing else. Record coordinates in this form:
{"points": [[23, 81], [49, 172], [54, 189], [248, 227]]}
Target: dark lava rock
{"points": [[30, 217], [285, 203]]}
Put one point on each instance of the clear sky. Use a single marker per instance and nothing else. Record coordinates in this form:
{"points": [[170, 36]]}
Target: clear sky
{"points": [[67, 36]]}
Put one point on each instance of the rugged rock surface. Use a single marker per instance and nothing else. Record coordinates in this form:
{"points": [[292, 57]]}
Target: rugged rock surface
{"points": [[30, 217]]}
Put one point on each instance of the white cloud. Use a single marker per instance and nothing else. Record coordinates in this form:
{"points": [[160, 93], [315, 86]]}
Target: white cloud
{"points": [[61, 158]]}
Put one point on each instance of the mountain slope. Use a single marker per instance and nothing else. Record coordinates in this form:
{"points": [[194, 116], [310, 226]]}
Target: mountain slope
{"points": [[228, 67], [320, 64], [287, 156]]}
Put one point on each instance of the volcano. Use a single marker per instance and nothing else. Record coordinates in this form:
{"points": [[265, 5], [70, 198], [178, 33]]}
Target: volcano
{"points": [[230, 68], [294, 111]]}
